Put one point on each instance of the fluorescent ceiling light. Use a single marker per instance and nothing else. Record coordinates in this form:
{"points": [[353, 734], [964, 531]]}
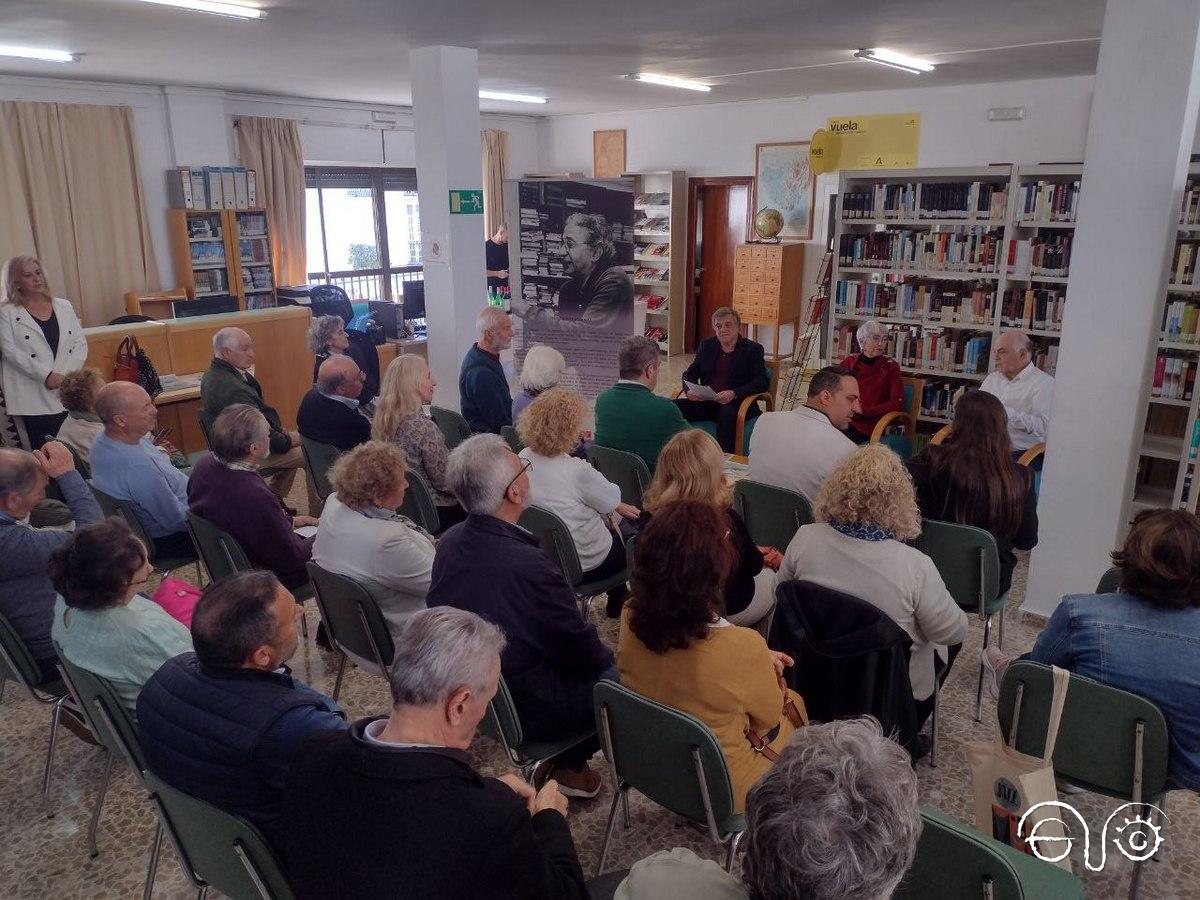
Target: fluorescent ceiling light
{"points": [[512, 98], [667, 81], [60, 56], [912, 64], [217, 7]]}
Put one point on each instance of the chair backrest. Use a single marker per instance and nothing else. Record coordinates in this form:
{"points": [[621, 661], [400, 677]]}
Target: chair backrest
{"points": [[107, 717], [510, 434], [966, 558], [320, 459], [1097, 744], [772, 514], [351, 616], [453, 426], [16, 661], [913, 389], [418, 503], [669, 756], [555, 538], [1110, 581], [123, 509], [220, 551], [83, 468], [218, 848], [206, 425], [628, 471], [503, 723], [940, 435]]}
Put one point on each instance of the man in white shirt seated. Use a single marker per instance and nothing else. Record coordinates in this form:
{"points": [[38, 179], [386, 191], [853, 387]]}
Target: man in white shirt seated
{"points": [[798, 448], [1025, 390]]}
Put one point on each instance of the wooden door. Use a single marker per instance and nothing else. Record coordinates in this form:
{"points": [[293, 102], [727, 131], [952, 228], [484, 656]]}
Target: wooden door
{"points": [[720, 210]]}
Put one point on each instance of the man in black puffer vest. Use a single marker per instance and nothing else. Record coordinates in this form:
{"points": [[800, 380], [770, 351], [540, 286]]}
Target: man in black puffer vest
{"points": [[223, 724]]}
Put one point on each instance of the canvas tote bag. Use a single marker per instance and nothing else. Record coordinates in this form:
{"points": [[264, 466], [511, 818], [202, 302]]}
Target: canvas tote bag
{"points": [[1008, 783]]}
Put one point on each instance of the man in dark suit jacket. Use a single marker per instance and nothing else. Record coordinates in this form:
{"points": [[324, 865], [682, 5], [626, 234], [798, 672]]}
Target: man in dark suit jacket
{"points": [[329, 413], [733, 367], [394, 808]]}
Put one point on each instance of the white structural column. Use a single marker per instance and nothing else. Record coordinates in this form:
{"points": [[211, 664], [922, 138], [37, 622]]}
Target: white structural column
{"points": [[445, 84], [1139, 139]]}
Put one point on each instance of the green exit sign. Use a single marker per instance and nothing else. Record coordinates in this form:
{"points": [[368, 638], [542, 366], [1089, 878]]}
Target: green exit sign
{"points": [[468, 203]]}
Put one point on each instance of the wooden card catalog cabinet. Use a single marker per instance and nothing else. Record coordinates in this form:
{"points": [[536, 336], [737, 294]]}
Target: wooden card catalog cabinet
{"points": [[767, 282]]}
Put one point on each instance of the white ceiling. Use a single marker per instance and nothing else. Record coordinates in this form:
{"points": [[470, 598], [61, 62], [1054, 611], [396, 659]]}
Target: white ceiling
{"points": [[574, 53]]}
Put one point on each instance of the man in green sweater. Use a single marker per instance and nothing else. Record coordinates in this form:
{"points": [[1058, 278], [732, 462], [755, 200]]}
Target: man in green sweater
{"points": [[629, 415]]}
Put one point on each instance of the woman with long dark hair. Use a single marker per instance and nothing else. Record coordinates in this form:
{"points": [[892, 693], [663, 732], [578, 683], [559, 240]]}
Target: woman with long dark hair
{"points": [[971, 479]]}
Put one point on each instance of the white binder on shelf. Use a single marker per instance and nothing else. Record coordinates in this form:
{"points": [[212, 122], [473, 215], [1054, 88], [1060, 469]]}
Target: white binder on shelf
{"points": [[216, 196], [199, 189], [252, 188], [228, 187], [241, 188]]}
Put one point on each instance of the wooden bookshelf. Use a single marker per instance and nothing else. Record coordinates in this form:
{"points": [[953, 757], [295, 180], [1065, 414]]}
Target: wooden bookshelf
{"points": [[660, 199], [227, 251]]}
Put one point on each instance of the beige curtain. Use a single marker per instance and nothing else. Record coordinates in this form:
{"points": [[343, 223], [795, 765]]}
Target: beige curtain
{"points": [[495, 167], [71, 194], [271, 147]]}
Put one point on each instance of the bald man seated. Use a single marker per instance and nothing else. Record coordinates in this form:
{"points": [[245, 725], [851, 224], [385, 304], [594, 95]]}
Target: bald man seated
{"points": [[228, 381], [127, 465], [1025, 390], [330, 413]]}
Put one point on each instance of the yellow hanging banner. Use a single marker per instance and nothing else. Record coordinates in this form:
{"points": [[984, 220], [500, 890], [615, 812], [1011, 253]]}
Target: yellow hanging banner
{"points": [[886, 141], [822, 151]]}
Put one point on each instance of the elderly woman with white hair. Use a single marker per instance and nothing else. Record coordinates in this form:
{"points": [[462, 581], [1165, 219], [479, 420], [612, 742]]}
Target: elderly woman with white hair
{"points": [[880, 384], [482, 384], [327, 337], [543, 369]]}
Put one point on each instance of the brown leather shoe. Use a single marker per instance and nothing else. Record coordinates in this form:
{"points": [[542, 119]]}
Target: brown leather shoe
{"points": [[582, 785]]}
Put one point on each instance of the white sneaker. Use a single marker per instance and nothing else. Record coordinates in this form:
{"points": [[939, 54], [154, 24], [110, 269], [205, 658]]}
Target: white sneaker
{"points": [[993, 659]]}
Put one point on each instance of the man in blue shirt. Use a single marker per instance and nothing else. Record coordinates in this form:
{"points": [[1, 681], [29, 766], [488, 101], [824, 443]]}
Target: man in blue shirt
{"points": [[224, 723], [127, 465]]}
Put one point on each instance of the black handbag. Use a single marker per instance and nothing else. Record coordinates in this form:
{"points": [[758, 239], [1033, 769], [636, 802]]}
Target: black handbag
{"points": [[134, 365]]}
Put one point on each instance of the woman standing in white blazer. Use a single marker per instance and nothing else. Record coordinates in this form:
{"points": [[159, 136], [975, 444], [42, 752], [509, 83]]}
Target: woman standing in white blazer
{"points": [[41, 340]]}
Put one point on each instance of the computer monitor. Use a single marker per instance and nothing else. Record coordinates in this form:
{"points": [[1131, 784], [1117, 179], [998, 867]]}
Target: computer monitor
{"points": [[414, 300]]}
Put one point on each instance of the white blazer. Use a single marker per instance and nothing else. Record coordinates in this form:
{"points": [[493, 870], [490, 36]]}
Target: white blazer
{"points": [[25, 358]]}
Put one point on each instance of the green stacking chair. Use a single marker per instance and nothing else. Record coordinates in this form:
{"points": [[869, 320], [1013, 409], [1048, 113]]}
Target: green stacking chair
{"points": [[510, 434], [320, 459], [669, 757], [418, 503], [554, 536], [745, 423], [1110, 581], [453, 426], [967, 559], [772, 514], [956, 862], [218, 849], [125, 509], [628, 471], [353, 620], [1110, 741], [901, 444], [503, 723]]}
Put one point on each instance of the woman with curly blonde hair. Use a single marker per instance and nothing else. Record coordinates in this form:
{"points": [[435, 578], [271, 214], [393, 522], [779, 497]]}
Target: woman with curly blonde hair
{"points": [[691, 467], [865, 511], [571, 488]]}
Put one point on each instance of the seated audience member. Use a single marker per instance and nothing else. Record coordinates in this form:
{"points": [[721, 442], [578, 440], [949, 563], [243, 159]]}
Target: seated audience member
{"points": [[836, 817], [361, 535], [327, 339], [733, 367], [865, 512], [228, 381], [396, 801], [225, 489], [971, 478], [798, 448], [490, 566], [677, 648], [1025, 390], [330, 412], [629, 415], [572, 488], [224, 723], [543, 369], [880, 383], [101, 621], [126, 465], [482, 384], [400, 417], [690, 467], [77, 393], [1143, 638], [26, 594]]}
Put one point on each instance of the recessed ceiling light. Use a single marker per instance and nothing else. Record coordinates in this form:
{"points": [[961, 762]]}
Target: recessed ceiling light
{"points": [[512, 98], [59, 56], [902, 61], [669, 81], [216, 7]]}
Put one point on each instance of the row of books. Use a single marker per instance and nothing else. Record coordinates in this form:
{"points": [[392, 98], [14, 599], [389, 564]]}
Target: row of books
{"points": [[1045, 356], [536, 292], [1183, 266], [541, 247], [937, 399], [210, 281], [971, 200], [1048, 255], [656, 333], [651, 273], [949, 304], [205, 254], [643, 249], [256, 277], [1037, 308], [255, 250], [212, 187], [651, 223], [1048, 201], [1190, 213], [660, 198], [252, 223], [654, 301], [973, 249], [1181, 321], [204, 227], [1174, 376], [917, 348]]}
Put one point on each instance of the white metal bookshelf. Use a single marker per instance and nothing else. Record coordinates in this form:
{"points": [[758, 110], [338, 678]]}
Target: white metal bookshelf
{"points": [[661, 196]]}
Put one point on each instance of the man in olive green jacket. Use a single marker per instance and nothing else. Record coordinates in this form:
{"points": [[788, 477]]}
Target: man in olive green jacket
{"points": [[629, 415]]}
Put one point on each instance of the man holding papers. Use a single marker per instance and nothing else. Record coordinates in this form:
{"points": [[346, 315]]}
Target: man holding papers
{"points": [[727, 369]]}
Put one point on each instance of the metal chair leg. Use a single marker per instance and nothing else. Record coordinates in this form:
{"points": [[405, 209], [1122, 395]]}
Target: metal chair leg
{"points": [[1134, 880], [54, 717], [625, 807], [987, 633], [1000, 633], [933, 744], [735, 841], [303, 623], [337, 685], [202, 893], [3, 682], [93, 852], [152, 868], [608, 830]]}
